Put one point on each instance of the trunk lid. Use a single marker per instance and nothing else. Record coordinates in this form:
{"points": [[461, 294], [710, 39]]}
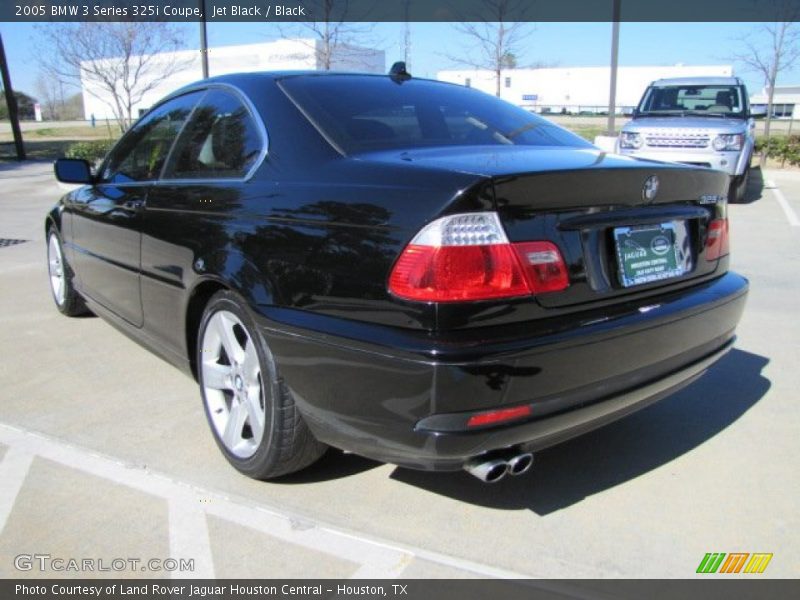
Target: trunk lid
{"points": [[491, 161], [598, 216]]}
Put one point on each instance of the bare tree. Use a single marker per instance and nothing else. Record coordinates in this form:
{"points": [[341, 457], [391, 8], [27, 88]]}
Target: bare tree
{"points": [[48, 96], [495, 40], [333, 37], [73, 108], [118, 63], [50, 90], [772, 48]]}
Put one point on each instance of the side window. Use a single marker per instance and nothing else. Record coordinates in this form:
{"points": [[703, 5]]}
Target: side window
{"points": [[220, 141], [144, 149]]}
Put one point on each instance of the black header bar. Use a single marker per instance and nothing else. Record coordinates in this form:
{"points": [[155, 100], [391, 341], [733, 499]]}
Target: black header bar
{"points": [[398, 10]]}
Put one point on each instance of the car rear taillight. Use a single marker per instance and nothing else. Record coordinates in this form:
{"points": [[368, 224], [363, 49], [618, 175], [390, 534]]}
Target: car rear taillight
{"points": [[468, 257], [544, 268], [717, 244]]}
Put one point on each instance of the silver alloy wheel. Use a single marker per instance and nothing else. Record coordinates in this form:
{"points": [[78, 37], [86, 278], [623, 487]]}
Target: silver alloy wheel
{"points": [[232, 384], [55, 262]]}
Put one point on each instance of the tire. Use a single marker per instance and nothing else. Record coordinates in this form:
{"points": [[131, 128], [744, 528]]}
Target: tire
{"points": [[250, 410], [738, 189], [68, 301]]}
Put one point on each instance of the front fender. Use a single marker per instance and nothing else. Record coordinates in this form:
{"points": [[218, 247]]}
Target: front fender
{"points": [[58, 218], [53, 218]]}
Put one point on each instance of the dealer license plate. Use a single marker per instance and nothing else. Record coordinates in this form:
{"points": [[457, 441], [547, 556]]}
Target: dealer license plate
{"points": [[646, 254]]}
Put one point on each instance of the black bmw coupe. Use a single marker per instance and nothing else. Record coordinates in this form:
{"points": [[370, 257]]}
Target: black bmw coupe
{"points": [[410, 270]]}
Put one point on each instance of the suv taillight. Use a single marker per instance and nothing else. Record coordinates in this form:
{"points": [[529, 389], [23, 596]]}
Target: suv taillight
{"points": [[717, 242], [467, 257]]}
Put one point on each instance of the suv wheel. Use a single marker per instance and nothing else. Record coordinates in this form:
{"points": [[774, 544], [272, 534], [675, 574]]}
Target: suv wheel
{"points": [[738, 189]]}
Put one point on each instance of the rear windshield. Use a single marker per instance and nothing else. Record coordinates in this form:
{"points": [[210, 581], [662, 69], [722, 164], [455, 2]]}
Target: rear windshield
{"points": [[362, 113]]}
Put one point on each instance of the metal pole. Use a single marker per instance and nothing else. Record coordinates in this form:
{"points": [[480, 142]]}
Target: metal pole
{"points": [[203, 40], [407, 39], [788, 134], [612, 95], [11, 101]]}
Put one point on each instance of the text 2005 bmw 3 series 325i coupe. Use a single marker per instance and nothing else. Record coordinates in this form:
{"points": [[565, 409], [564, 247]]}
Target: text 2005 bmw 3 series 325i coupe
{"points": [[406, 269]]}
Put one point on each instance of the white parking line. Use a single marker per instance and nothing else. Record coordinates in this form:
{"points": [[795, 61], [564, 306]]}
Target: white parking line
{"points": [[188, 537], [791, 216], [185, 509], [13, 471], [375, 559], [382, 560]]}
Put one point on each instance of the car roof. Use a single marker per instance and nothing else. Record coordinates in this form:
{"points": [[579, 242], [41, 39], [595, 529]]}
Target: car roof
{"points": [[247, 82], [237, 79], [697, 81]]}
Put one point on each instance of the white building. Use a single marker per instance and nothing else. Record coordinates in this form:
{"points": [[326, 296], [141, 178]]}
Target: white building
{"points": [[785, 101], [575, 89], [280, 55]]}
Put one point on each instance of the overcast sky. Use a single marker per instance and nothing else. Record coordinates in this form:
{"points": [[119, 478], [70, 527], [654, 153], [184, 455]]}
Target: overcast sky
{"points": [[559, 44]]}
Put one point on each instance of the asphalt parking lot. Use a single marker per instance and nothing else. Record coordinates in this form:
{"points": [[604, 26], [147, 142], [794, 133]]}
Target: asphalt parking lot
{"points": [[105, 453]]}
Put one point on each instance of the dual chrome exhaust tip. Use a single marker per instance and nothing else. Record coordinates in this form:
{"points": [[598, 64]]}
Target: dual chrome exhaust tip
{"points": [[493, 468]]}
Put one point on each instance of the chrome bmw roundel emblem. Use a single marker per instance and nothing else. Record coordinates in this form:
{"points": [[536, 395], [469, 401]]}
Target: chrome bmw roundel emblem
{"points": [[650, 188]]}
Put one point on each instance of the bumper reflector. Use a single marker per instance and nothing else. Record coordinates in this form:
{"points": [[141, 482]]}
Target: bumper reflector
{"points": [[717, 242], [499, 416]]}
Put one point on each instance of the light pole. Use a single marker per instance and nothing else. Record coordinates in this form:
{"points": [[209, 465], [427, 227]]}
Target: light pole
{"points": [[11, 101], [612, 95], [203, 39], [406, 38]]}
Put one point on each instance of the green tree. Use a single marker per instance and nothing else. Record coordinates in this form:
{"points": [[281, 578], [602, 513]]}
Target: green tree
{"points": [[509, 60], [24, 104]]}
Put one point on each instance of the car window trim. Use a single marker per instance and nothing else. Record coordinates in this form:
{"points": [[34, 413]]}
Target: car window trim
{"points": [[169, 98], [260, 127], [168, 159], [325, 135]]}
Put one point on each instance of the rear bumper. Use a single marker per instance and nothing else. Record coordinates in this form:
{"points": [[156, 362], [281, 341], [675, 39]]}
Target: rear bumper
{"points": [[400, 396]]}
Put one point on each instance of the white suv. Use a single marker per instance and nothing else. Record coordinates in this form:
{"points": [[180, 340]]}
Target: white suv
{"points": [[704, 121]]}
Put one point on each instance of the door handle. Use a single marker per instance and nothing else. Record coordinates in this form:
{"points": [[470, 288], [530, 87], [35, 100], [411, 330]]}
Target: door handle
{"points": [[133, 204]]}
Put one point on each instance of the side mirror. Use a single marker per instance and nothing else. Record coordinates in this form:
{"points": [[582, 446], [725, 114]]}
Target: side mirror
{"points": [[758, 111], [73, 170], [627, 111]]}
